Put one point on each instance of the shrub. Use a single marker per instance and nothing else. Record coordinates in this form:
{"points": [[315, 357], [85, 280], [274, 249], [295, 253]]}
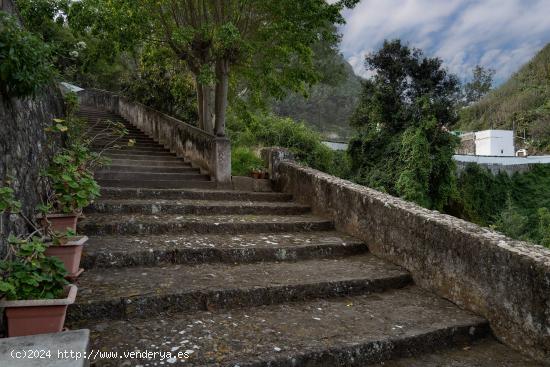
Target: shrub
{"points": [[266, 130], [27, 273], [244, 161], [25, 64]]}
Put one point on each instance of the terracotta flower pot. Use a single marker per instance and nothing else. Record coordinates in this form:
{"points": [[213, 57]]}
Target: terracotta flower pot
{"points": [[70, 254], [60, 222], [38, 316], [256, 174]]}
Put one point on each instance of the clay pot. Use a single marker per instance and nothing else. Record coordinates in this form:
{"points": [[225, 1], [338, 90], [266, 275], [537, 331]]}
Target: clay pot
{"points": [[69, 253], [38, 316], [60, 222]]}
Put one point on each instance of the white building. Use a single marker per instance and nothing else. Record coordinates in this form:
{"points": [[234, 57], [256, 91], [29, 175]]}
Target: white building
{"points": [[498, 143]]}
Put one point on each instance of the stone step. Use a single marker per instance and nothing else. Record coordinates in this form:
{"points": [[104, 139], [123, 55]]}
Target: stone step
{"points": [[157, 184], [137, 157], [139, 176], [170, 162], [353, 331], [182, 288], [143, 140], [195, 207], [120, 251], [135, 224], [481, 353], [185, 168], [191, 194], [140, 151]]}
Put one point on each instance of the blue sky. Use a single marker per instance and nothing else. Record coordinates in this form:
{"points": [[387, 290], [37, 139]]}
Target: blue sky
{"points": [[501, 34]]}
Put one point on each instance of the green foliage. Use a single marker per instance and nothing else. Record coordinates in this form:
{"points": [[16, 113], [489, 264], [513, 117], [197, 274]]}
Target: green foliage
{"points": [[481, 196], [479, 86], [261, 129], [517, 206], [27, 273], [522, 102], [25, 61], [511, 222], [8, 203], [72, 180], [163, 83], [244, 161], [544, 226], [400, 144]]}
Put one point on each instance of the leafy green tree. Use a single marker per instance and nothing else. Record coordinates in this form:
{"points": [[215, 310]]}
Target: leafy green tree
{"points": [[25, 61], [401, 145], [480, 85], [256, 37], [511, 222], [544, 226]]}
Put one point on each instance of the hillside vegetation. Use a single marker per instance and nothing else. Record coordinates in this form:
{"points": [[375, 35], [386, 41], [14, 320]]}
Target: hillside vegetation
{"points": [[522, 102], [329, 105]]}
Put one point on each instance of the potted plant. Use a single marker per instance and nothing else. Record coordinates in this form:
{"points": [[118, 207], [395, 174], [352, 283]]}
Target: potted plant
{"points": [[33, 289], [70, 176], [67, 247], [72, 188]]}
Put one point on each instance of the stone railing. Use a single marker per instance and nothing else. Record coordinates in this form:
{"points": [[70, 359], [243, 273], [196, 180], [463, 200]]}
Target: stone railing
{"points": [[505, 281], [204, 150]]}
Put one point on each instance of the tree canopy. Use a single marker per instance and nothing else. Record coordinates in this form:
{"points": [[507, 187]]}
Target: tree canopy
{"points": [[401, 144]]}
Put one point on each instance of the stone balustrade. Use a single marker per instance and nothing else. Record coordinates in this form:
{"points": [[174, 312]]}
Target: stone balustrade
{"points": [[209, 152], [503, 280]]}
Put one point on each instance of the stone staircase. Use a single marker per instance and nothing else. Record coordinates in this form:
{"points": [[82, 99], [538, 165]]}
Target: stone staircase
{"points": [[232, 278]]}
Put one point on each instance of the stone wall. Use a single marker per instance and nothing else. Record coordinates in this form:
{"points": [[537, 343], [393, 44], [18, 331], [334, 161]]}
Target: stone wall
{"points": [[505, 281], [467, 144], [210, 153], [24, 152]]}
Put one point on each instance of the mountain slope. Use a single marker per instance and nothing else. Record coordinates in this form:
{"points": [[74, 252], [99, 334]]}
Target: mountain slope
{"points": [[329, 105], [523, 103]]}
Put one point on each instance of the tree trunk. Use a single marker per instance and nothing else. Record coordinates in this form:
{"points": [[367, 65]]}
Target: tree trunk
{"points": [[222, 87], [198, 87], [208, 108]]}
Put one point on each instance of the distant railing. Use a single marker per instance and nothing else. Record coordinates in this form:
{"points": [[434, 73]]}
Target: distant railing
{"points": [[207, 151]]}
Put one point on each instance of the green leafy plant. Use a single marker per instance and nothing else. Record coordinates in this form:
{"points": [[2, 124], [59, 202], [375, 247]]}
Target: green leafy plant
{"points": [[72, 179], [8, 203], [25, 64], [27, 273], [244, 161]]}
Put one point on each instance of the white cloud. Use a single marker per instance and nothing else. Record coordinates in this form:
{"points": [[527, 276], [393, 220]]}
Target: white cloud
{"points": [[502, 34]]}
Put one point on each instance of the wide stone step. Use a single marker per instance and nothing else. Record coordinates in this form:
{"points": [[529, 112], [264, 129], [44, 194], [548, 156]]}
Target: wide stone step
{"points": [[157, 184], [170, 162], [191, 194], [197, 207], [140, 151], [151, 176], [481, 353], [143, 140], [353, 331], [179, 288], [130, 224], [121, 251], [184, 168], [137, 157]]}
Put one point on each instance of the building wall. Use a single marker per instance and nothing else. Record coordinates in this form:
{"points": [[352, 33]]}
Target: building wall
{"points": [[467, 144], [495, 143]]}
